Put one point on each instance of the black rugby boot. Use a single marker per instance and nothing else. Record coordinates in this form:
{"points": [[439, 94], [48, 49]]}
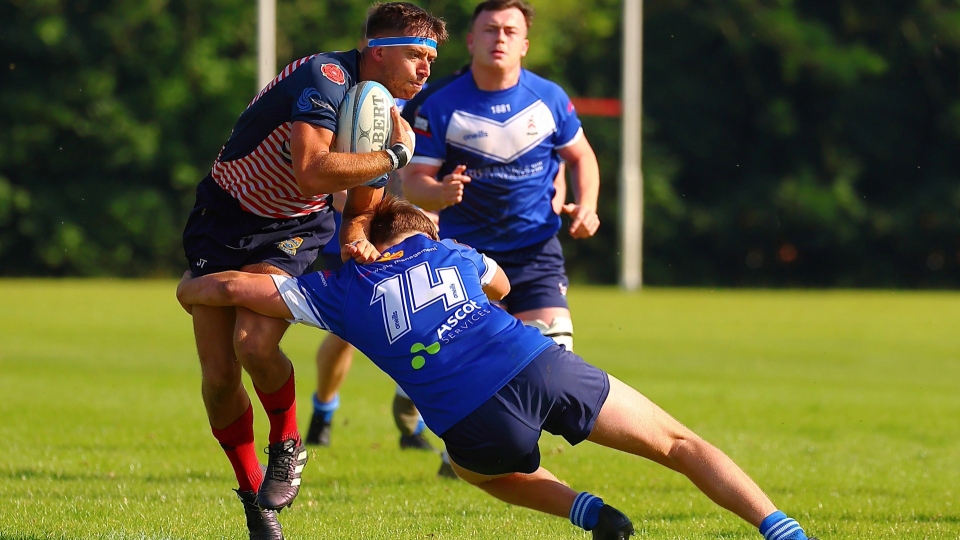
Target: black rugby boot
{"points": [[613, 525], [446, 470], [281, 482], [414, 442], [319, 432], [262, 524]]}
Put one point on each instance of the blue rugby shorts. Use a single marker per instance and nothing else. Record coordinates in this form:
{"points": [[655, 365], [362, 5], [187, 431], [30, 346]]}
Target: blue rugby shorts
{"points": [[557, 392], [537, 276]]}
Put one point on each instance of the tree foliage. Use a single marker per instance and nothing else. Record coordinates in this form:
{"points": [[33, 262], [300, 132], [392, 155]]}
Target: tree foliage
{"points": [[786, 142], [808, 143]]}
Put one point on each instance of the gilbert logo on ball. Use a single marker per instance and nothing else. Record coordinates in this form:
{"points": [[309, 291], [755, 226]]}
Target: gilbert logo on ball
{"points": [[363, 122]]}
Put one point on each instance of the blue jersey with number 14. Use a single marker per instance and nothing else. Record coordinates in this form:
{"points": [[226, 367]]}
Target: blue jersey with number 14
{"points": [[420, 314]]}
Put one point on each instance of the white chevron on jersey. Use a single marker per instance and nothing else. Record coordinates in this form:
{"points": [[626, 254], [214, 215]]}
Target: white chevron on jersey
{"points": [[503, 141]]}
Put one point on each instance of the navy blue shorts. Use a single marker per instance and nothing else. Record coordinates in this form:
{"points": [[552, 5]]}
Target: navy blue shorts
{"points": [[537, 276], [329, 258], [328, 261], [221, 235], [557, 392]]}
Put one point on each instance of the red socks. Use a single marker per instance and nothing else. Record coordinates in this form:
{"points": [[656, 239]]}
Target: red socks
{"points": [[281, 407], [237, 438], [237, 442]]}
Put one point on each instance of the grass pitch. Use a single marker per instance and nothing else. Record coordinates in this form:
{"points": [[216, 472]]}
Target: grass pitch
{"points": [[844, 407]]}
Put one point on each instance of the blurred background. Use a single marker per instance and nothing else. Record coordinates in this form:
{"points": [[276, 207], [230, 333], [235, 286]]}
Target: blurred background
{"points": [[786, 142]]}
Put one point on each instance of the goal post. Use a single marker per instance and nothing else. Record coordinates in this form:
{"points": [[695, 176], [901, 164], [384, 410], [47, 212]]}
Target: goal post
{"points": [[631, 176]]}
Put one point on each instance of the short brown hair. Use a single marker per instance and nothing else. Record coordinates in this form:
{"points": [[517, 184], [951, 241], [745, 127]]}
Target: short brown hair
{"points": [[394, 217], [500, 5], [403, 19]]}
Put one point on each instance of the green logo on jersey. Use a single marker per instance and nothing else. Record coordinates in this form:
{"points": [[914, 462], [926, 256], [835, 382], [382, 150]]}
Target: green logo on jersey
{"points": [[418, 361]]}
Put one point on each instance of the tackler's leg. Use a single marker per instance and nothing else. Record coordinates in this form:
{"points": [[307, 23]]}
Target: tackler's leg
{"points": [[630, 422], [542, 491]]}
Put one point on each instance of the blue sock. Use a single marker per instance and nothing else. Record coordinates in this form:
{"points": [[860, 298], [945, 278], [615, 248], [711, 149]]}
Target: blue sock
{"points": [[420, 426], [326, 408], [586, 511], [779, 526]]}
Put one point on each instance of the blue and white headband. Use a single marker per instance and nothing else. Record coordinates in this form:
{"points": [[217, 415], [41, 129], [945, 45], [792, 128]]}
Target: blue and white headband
{"points": [[403, 40]]}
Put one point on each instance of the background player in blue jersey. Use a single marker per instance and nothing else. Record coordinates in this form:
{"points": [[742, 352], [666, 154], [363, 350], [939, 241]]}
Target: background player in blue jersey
{"points": [[487, 384], [263, 208], [489, 145]]}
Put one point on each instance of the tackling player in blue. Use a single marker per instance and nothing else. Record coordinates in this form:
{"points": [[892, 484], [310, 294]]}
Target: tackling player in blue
{"points": [[484, 382]]}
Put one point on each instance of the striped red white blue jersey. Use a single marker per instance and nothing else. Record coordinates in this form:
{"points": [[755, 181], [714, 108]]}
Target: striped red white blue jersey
{"points": [[255, 166]]}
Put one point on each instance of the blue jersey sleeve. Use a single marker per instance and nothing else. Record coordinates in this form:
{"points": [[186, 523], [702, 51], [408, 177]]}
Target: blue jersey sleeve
{"points": [[568, 123], [324, 295], [430, 127], [486, 267], [318, 95]]}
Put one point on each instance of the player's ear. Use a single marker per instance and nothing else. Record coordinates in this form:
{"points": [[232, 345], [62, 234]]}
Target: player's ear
{"points": [[525, 48], [470, 43]]}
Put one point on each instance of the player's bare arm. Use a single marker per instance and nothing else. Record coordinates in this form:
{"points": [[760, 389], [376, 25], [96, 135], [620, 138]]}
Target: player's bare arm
{"points": [[498, 287], [256, 292], [320, 170], [421, 187], [559, 189], [585, 173], [358, 210]]}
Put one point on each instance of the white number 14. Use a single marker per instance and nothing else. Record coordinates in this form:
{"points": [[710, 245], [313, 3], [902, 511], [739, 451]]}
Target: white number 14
{"points": [[419, 287]]}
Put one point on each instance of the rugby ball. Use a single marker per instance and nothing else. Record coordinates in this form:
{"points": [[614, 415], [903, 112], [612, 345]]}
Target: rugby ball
{"points": [[364, 123]]}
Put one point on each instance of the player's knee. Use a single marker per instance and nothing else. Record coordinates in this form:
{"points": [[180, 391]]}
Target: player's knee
{"points": [[218, 384], [257, 338], [246, 346], [560, 331], [685, 451], [251, 347]]}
